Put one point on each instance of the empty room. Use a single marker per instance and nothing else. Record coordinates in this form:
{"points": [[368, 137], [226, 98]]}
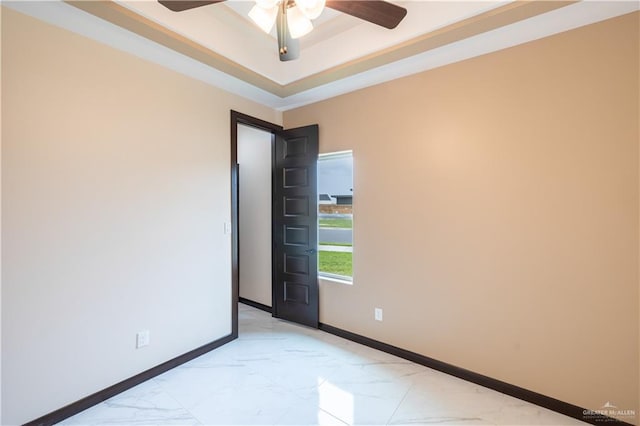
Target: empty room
{"points": [[281, 212]]}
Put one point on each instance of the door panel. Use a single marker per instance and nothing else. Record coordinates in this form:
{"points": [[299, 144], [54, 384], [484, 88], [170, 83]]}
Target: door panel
{"points": [[295, 230], [296, 206]]}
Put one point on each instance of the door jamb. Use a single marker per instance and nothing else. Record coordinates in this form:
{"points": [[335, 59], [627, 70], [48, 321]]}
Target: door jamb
{"points": [[240, 118]]}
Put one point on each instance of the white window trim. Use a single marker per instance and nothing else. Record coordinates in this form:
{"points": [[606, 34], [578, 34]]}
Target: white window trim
{"points": [[328, 277]]}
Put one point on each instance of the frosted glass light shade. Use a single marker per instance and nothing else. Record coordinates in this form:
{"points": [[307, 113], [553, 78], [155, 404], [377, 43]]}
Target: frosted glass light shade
{"points": [[298, 24], [264, 18], [311, 8]]}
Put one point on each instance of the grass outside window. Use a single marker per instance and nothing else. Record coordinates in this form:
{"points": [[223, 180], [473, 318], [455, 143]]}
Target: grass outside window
{"points": [[336, 223], [334, 262]]}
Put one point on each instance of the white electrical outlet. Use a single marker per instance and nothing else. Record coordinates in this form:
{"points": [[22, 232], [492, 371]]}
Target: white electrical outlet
{"points": [[142, 339], [377, 313], [227, 228]]}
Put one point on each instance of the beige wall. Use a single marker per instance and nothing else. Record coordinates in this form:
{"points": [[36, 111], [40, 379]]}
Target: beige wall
{"points": [[254, 159], [115, 190], [496, 216]]}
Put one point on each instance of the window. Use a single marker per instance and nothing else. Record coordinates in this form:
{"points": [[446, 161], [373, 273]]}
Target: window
{"points": [[335, 216]]}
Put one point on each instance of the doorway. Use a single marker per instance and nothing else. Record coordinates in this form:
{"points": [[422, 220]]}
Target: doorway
{"points": [[238, 119], [256, 147]]}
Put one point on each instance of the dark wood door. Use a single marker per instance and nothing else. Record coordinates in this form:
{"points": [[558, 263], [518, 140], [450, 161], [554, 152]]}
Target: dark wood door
{"points": [[295, 226]]}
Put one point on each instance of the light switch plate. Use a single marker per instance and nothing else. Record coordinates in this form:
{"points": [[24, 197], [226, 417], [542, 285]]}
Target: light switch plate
{"points": [[142, 339]]}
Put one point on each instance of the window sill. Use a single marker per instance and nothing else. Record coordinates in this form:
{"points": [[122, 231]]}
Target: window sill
{"points": [[334, 279]]}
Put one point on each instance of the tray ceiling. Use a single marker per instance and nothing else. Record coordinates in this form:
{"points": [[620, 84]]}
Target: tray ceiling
{"points": [[221, 46]]}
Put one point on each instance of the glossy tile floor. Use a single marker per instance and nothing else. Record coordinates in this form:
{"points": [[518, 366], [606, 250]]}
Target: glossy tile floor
{"points": [[278, 373]]}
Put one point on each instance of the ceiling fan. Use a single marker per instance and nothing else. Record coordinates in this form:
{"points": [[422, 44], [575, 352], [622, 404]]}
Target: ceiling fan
{"points": [[293, 17]]}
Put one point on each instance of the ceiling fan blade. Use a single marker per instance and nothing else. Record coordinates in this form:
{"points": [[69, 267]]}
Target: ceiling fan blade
{"points": [[180, 5], [378, 12]]}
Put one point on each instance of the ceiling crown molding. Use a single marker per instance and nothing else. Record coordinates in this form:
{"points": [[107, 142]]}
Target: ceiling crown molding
{"points": [[487, 21]]}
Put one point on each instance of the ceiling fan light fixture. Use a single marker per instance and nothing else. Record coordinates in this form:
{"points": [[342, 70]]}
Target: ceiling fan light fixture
{"points": [[311, 8], [264, 17], [294, 17], [299, 25]]}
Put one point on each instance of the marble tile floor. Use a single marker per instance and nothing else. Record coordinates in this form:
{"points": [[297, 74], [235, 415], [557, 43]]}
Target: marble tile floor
{"points": [[277, 373]]}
